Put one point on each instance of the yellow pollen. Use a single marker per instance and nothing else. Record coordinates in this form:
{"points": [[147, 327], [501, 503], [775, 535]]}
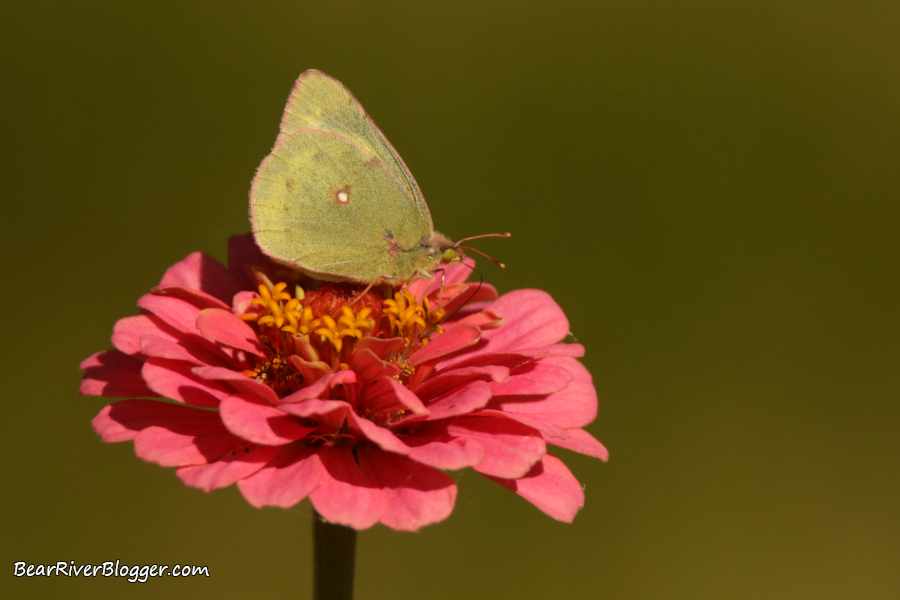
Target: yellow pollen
{"points": [[407, 317], [279, 309], [349, 324]]}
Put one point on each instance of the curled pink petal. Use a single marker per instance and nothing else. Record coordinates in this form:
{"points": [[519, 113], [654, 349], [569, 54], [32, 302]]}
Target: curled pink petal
{"points": [[551, 487], [346, 495], [416, 495]]}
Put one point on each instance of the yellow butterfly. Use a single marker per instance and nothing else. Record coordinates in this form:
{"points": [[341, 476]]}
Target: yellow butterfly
{"points": [[335, 200]]}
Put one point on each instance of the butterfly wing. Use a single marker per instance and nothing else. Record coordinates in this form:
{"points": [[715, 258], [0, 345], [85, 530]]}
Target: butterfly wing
{"points": [[326, 205], [321, 102]]}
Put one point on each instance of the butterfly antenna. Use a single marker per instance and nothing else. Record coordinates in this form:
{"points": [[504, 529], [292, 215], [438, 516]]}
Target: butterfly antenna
{"points": [[493, 260], [485, 235]]}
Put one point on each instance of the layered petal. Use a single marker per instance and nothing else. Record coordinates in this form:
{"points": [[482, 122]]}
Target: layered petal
{"points": [[551, 487], [416, 495], [204, 273], [510, 449], [346, 495], [113, 374], [286, 480]]}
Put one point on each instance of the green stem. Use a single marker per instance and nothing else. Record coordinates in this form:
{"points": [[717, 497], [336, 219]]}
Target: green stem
{"points": [[335, 553]]}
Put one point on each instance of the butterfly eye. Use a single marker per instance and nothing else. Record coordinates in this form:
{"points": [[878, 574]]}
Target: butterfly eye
{"points": [[449, 255]]}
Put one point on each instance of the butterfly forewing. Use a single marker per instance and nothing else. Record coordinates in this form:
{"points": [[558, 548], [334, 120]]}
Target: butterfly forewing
{"points": [[329, 206], [321, 102]]}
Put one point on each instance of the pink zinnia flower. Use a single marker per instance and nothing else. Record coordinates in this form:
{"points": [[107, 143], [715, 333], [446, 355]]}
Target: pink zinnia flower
{"points": [[293, 392]]}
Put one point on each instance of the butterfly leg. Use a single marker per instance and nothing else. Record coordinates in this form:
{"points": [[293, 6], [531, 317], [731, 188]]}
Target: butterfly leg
{"points": [[363, 293]]}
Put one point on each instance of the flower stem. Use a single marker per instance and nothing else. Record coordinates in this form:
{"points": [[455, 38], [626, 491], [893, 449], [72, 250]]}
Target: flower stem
{"points": [[335, 553]]}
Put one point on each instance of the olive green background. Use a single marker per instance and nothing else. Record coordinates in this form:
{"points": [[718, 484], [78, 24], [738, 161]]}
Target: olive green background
{"points": [[708, 189]]}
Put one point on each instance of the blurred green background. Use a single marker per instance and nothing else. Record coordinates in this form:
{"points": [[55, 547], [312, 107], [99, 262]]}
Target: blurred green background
{"points": [[710, 190]]}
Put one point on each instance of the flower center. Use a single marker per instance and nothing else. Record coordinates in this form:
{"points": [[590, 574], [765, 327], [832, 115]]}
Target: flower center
{"points": [[309, 334]]}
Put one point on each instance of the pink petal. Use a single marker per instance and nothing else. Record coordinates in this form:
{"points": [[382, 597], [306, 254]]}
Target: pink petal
{"points": [[288, 478], [181, 315], [346, 495], [228, 470], [311, 371], [173, 379], [241, 304], [239, 381], [174, 312], [260, 423], [547, 429], [369, 367], [510, 449], [449, 379], [127, 332], [113, 374], [551, 487], [467, 298], [460, 401], [123, 420], [329, 414], [416, 495], [485, 319], [381, 347], [322, 387], [432, 445], [199, 299], [243, 256], [448, 342], [583, 442], [575, 406], [199, 440], [384, 438], [531, 319], [444, 275], [389, 394], [223, 327], [192, 352], [534, 379], [200, 271]]}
